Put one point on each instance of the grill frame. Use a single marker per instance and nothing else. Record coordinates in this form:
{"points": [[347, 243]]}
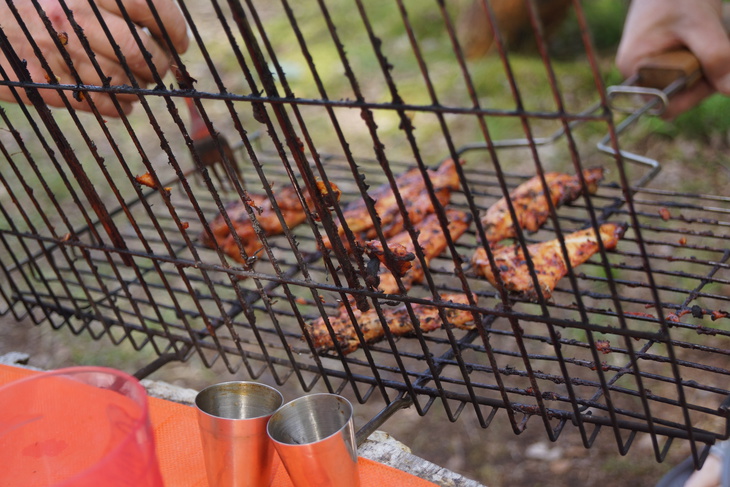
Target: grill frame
{"points": [[102, 266]]}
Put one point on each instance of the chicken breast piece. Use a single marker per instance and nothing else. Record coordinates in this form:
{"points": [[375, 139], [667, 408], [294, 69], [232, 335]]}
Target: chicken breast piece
{"points": [[547, 258], [291, 209], [414, 194], [531, 205], [397, 318], [432, 241]]}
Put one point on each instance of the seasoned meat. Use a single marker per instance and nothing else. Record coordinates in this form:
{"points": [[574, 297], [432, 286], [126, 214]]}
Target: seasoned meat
{"points": [[412, 189], [291, 211], [418, 207], [531, 205], [547, 258], [397, 319], [431, 239]]}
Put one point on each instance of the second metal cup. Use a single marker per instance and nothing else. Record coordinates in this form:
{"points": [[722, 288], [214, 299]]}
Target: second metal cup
{"points": [[232, 417], [315, 438]]}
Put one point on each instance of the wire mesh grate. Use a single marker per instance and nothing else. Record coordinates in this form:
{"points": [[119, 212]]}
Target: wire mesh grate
{"points": [[631, 340]]}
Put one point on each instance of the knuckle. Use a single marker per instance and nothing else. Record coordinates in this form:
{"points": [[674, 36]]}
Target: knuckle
{"points": [[135, 54], [54, 12], [135, 7], [139, 11]]}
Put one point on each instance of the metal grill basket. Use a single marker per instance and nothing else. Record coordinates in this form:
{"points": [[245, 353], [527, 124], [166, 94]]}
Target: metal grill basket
{"points": [[319, 94]]}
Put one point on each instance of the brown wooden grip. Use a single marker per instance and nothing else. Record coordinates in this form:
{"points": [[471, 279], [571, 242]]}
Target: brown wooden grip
{"points": [[661, 70]]}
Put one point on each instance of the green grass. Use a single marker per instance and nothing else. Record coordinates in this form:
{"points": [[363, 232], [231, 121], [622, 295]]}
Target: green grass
{"points": [[708, 119], [606, 20], [430, 31]]}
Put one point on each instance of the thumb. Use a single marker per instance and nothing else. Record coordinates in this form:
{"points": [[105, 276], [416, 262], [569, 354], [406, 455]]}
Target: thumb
{"points": [[711, 45]]}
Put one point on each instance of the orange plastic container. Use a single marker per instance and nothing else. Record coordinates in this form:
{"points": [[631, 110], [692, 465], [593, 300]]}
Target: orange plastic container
{"points": [[80, 426]]}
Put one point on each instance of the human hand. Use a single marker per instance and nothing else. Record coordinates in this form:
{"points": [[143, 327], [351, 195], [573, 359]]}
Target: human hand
{"points": [[110, 65], [655, 26], [710, 475]]}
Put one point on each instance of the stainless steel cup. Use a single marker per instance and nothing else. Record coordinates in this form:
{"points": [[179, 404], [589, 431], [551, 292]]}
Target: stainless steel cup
{"points": [[232, 417], [315, 438]]}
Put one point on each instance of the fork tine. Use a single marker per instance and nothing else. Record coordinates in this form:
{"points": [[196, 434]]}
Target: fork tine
{"points": [[211, 150]]}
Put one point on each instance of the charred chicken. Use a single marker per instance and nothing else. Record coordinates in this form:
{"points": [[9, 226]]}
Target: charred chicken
{"points": [[416, 198], [397, 320], [291, 209], [402, 262], [531, 205], [432, 241], [547, 258]]}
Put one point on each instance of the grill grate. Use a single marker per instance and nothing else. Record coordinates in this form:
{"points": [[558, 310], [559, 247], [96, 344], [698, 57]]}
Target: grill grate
{"points": [[633, 340], [152, 305]]}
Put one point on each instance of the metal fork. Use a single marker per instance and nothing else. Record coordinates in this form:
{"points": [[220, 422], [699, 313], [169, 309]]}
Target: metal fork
{"points": [[212, 151]]}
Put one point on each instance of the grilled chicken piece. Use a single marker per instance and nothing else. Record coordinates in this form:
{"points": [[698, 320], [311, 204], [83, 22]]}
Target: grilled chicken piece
{"points": [[412, 189], [547, 258], [418, 207], [431, 239], [397, 319], [291, 210], [531, 205]]}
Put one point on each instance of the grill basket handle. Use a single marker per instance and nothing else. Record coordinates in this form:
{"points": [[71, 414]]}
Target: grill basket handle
{"points": [[661, 70]]}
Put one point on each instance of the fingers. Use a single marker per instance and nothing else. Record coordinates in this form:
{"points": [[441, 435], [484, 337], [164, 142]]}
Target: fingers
{"points": [[710, 475], [656, 26], [711, 45], [141, 14], [102, 102], [650, 28], [146, 63], [688, 98], [126, 41]]}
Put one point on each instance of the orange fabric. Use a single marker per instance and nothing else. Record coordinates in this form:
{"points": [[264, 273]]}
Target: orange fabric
{"points": [[181, 459]]}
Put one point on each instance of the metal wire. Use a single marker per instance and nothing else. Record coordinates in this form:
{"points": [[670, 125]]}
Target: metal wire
{"points": [[633, 340]]}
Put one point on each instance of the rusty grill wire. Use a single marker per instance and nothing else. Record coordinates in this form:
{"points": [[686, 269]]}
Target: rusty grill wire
{"points": [[87, 248]]}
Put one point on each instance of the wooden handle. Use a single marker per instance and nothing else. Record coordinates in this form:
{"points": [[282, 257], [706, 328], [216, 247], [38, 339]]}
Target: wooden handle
{"points": [[661, 70]]}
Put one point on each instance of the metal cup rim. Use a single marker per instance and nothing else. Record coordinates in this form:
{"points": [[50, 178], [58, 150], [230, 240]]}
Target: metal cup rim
{"points": [[310, 397], [247, 382]]}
